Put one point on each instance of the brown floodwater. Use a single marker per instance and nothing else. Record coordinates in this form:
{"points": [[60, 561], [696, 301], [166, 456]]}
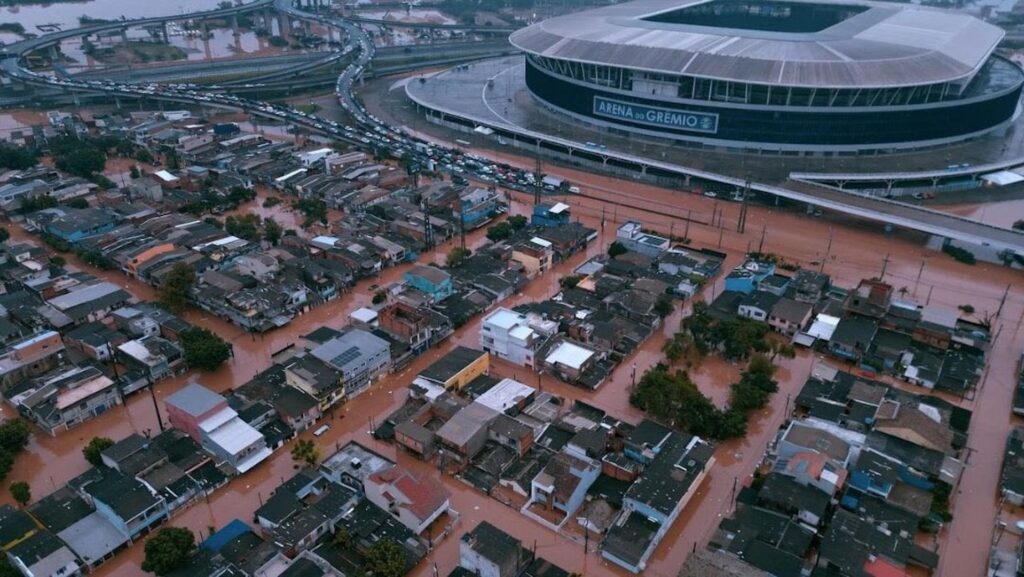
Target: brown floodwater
{"points": [[857, 250]]}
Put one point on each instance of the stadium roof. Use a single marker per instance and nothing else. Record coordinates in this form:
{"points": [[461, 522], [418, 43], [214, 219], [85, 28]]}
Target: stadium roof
{"points": [[885, 45]]}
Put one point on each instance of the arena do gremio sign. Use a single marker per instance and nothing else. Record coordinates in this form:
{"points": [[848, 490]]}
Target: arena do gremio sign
{"points": [[654, 116]]}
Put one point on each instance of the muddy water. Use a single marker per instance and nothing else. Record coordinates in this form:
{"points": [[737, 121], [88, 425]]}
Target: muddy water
{"points": [[856, 251], [66, 15]]}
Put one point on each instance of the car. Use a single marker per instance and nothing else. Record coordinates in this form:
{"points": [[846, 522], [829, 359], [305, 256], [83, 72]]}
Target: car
{"points": [[321, 430], [710, 194]]}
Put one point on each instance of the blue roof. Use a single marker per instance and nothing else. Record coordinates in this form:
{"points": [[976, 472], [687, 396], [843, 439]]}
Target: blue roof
{"points": [[218, 540]]}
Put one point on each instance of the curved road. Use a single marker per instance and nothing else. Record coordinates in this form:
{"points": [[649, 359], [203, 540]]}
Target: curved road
{"points": [[372, 133]]}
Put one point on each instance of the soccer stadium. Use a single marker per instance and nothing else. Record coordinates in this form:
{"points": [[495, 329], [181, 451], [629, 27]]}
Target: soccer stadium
{"points": [[775, 75]]}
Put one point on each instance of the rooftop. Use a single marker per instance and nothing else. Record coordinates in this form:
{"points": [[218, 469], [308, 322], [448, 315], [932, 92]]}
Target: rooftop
{"points": [[569, 354], [868, 44], [355, 461], [451, 364], [505, 395], [195, 399]]}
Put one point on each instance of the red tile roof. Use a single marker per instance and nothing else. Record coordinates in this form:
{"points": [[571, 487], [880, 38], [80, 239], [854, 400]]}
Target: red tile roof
{"points": [[421, 496]]}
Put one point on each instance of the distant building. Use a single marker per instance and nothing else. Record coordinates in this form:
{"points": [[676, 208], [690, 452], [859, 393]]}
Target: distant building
{"points": [[487, 551], [417, 501], [430, 280], [359, 355], [508, 335], [206, 417], [632, 236], [456, 368]]}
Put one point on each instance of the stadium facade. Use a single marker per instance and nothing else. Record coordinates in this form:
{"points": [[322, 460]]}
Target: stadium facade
{"points": [[777, 75]]}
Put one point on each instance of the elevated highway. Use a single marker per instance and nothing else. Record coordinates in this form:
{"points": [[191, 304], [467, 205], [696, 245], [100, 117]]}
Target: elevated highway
{"points": [[373, 133]]}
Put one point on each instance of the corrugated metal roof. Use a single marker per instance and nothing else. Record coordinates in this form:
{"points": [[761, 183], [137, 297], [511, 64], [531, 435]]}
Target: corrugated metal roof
{"points": [[886, 45]]}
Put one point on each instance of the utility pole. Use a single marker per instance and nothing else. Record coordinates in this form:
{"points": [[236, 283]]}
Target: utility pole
{"points": [[462, 231], [156, 406], [686, 232], [828, 251], [428, 231], [918, 280], [885, 265], [538, 185], [764, 231], [741, 222], [1002, 301]]}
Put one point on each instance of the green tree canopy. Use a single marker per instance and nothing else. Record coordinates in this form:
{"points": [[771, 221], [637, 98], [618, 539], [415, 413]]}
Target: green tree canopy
{"points": [[174, 293], [93, 451], [456, 257], [617, 248], [305, 451], [21, 492], [168, 550], [17, 157], [245, 226], [204, 350], [272, 231], [385, 558], [14, 435]]}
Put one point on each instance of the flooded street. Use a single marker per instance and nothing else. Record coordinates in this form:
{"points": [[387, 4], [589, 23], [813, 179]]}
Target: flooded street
{"points": [[66, 14], [857, 251]]}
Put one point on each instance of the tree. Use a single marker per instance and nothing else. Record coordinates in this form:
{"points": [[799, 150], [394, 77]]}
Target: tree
{"points": [[663, 306], [499, 232], [569, 282], [21, 492], [8, 570], [1018, 225], [134, 172], [14, 435], [82, 160], [305, 451], [174, 293], [168, 550], [77, 202], [4, 234], [342, 538], [617, 248], [518, 222], [780, 349], [385, 558], [313, 210], [272, 231], [35, 203], [246, 226], [379, 297], [456, 257], [93, 451], [203, 349], [17, 157], [674, 348], [57, 261]]}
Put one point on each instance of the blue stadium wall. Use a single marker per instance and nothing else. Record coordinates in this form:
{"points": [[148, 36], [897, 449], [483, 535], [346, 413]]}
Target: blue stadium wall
{"points": [[767, 126]]}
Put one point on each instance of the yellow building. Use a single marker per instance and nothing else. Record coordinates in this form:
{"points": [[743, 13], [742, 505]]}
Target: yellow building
{"points": [[457, 368], [535, 255]]}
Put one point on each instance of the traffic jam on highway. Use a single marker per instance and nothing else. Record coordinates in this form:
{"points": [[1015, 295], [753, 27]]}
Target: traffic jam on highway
{"points": [[370, 133]]}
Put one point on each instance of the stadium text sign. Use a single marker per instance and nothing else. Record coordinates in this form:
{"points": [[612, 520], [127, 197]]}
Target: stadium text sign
{"points": [[654, 116]]}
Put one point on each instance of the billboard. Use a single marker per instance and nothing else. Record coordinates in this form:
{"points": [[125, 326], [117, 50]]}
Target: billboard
{"points": [[655, 116]]}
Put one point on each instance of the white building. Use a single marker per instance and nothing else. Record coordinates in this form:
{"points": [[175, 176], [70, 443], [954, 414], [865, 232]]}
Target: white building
{"points": [[508, 335]]}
